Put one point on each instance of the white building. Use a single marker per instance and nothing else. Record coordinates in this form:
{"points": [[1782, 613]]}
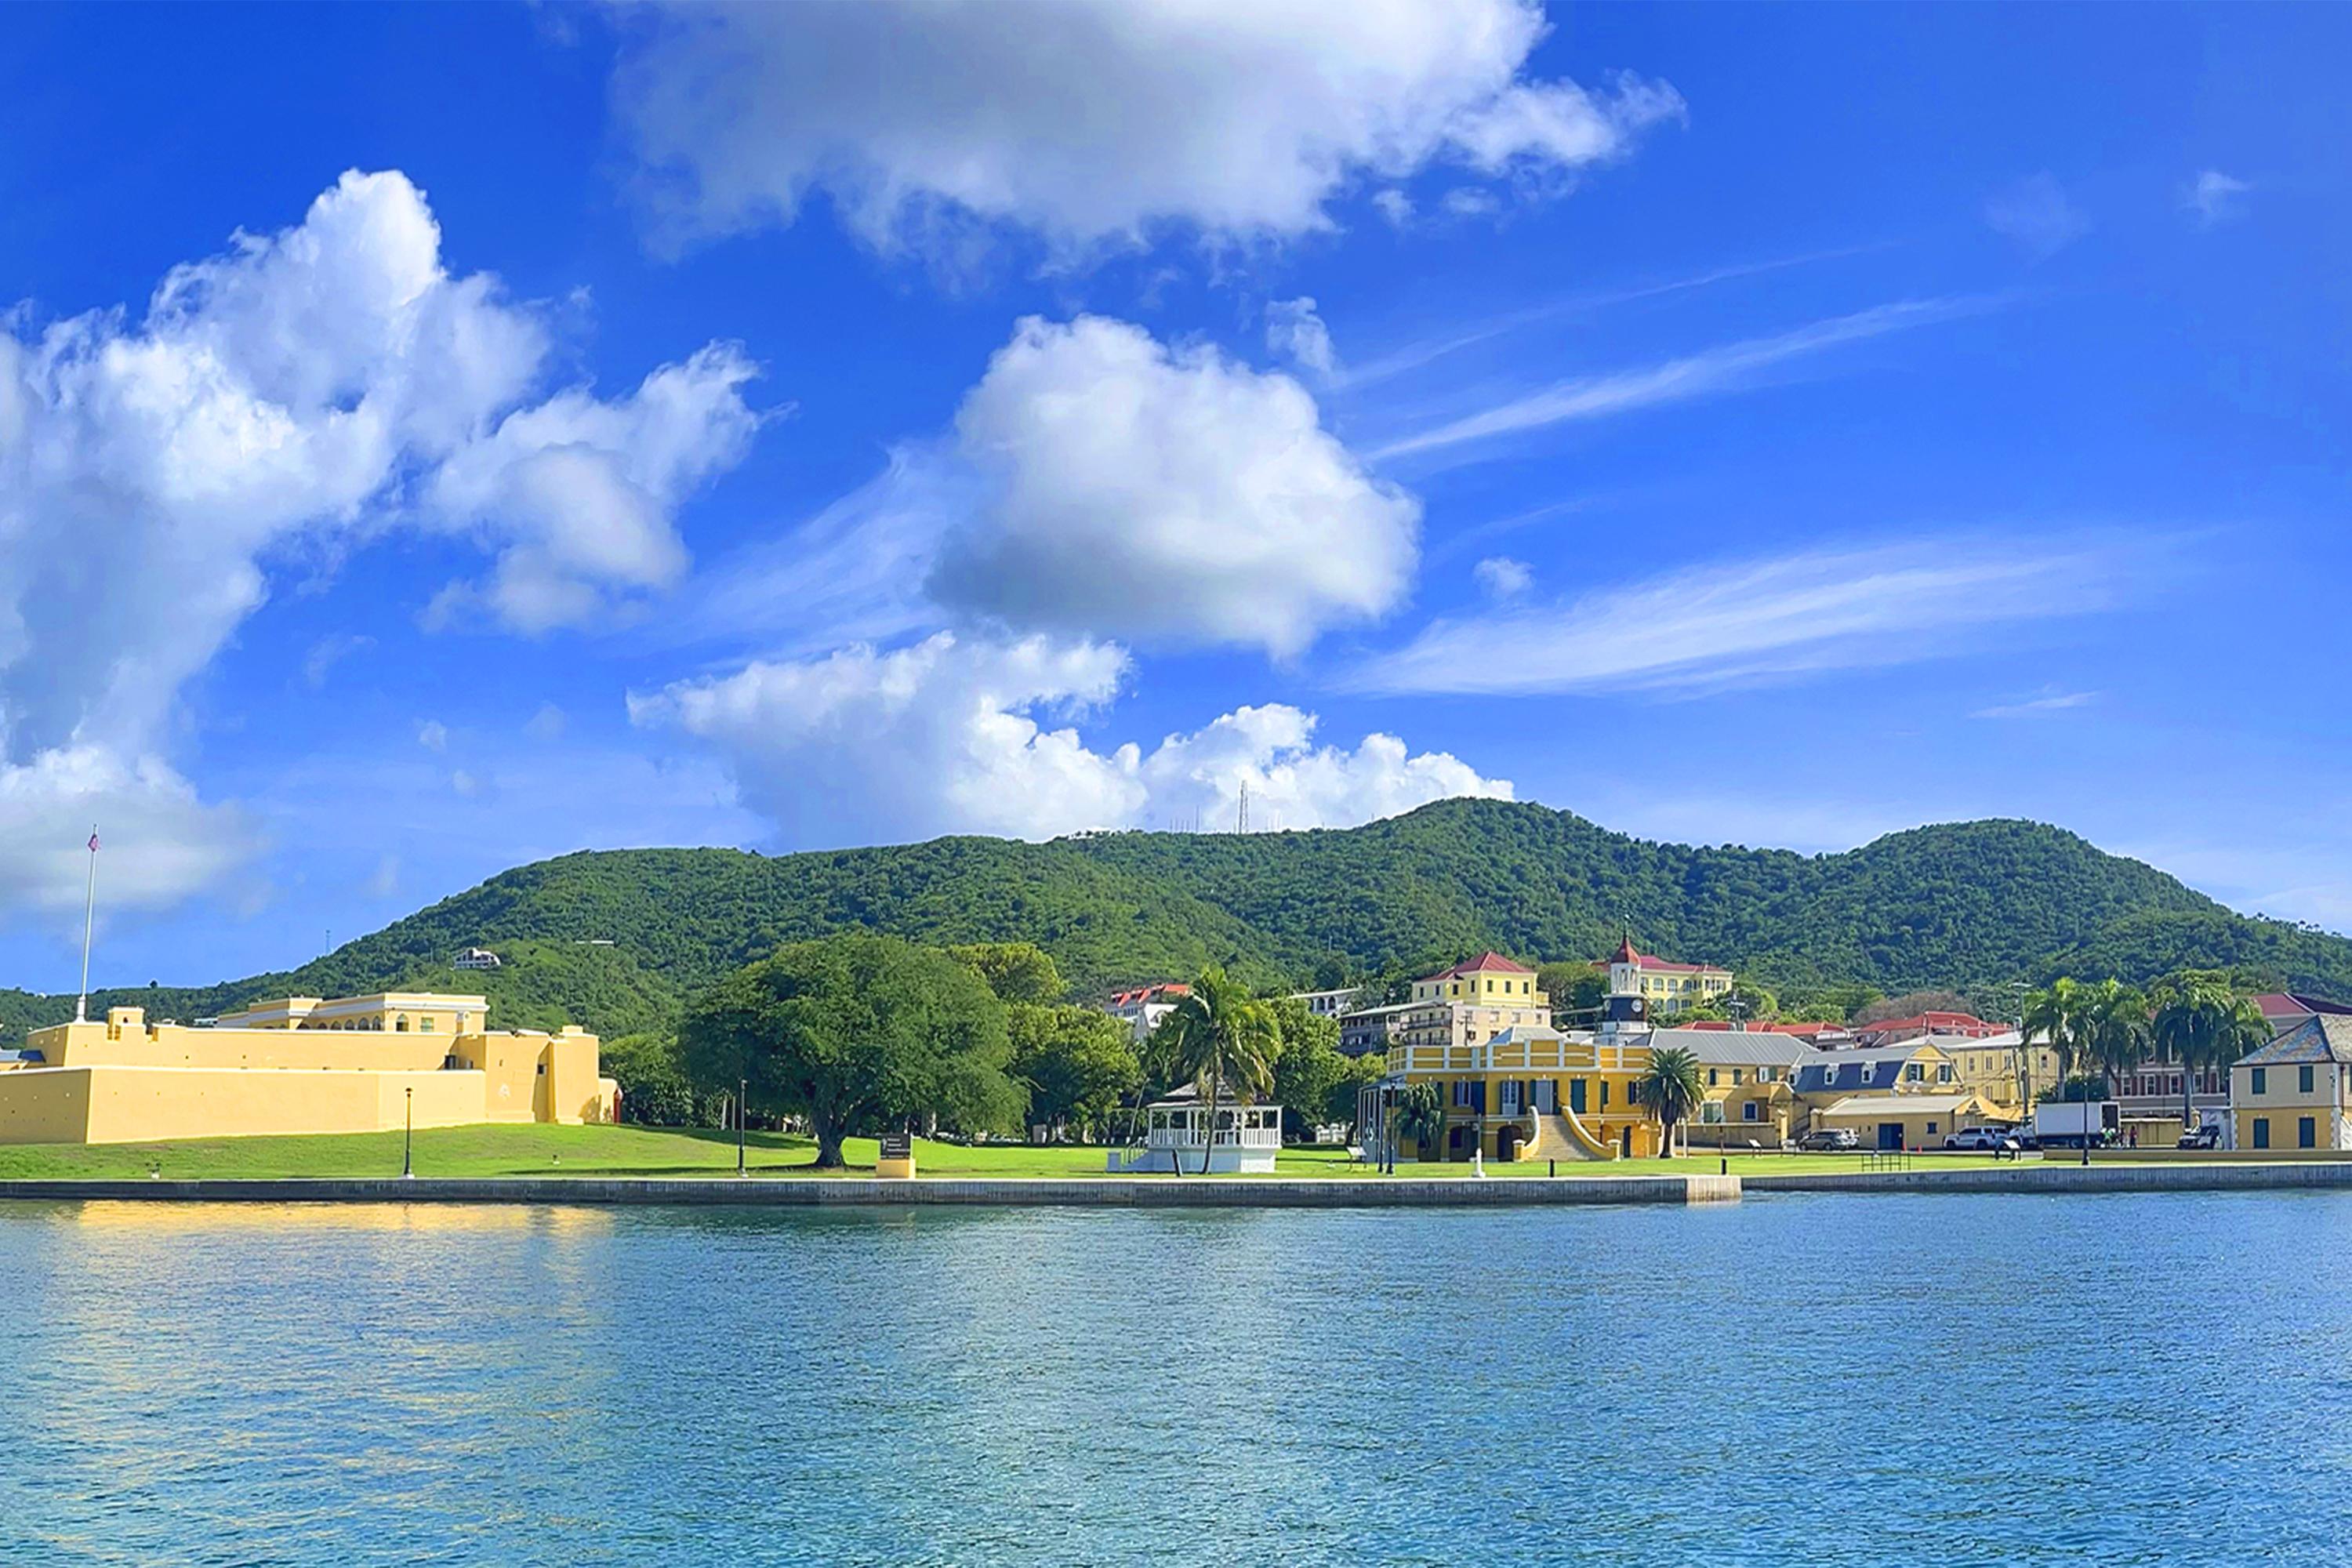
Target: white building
{"points": [[1175, 1129], [476, 958], [1329, 1004]]}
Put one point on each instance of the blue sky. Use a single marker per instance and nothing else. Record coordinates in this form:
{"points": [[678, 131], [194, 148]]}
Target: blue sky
{"points": [[433, 439]]}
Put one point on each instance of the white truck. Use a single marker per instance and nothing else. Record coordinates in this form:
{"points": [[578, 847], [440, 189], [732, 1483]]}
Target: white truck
{"points": [[2063, 1124]]}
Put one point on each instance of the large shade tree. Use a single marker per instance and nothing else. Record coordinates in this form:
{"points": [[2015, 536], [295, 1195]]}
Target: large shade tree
{"points": [[1219, 1038], [856, 1031], [1078, 1063]]}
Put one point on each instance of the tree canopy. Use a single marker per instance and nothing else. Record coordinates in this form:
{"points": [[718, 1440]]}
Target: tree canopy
{"points": [[857, 1032]]}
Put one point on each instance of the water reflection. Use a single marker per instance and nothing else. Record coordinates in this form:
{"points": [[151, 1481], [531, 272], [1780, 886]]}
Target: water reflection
{"points": [[474, 1384]]}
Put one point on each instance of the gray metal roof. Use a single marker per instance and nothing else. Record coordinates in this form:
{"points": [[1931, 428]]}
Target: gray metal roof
{"points": [[2326, 1038], [1730, 1048]]}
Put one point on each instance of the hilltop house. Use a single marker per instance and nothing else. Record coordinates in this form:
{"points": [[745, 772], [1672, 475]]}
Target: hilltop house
{"points": [[1665, 987], [1142, 1008]]}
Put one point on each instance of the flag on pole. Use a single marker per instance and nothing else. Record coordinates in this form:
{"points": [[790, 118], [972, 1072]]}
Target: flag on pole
{"points": [[94, 841]]}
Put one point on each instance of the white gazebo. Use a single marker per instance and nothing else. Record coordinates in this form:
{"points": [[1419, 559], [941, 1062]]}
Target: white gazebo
{"points": [[1177, 1128]]}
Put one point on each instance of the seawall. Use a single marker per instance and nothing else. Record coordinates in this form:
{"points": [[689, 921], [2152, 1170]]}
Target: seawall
{"points": [[2054, 1176], [1091, 1191]]}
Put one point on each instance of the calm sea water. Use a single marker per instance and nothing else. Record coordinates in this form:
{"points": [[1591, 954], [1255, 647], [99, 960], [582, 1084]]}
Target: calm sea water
{"points": [[2112, 1379]]}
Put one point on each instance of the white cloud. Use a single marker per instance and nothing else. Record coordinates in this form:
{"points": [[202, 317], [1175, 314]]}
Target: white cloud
{"points": [[1394, 205], [328, 652], [1093, 121], [545, 726], [2213, 197], [952, 736], [295, 395], [1295, 331], [433, 735], [1710, 370], [386, 879], [2037, 707], [2036, 216], [1716, 626], [1501, 577], [1166, 496], [158, 843]]}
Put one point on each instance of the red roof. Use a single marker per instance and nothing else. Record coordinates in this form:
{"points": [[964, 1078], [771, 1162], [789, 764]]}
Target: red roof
{"points": [[1149, 994], [1966, 1024], [1628, 953], [1488, 962], [1806, 1029], [2287, 1005]]}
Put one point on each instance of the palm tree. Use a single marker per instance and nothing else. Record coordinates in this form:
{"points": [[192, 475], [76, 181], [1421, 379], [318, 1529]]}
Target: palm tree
{"points": [[1670, 1087], [2201, 1021], [2118, 1024], [2061, 1015], [1219, 1037], [1419, 1113]]}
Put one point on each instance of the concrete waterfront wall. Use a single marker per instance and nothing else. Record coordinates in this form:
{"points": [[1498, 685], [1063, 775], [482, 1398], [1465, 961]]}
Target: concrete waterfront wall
{"points": [[2057, 1175], [1163, 1192]]}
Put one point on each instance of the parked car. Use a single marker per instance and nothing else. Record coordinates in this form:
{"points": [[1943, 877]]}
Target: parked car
{"points": [[1829, 1139], [1980, 1140], [2208, 1137]]}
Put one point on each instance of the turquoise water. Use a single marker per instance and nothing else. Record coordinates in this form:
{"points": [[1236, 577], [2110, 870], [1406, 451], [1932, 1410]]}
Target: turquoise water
{"points": [[2158, 1378]]}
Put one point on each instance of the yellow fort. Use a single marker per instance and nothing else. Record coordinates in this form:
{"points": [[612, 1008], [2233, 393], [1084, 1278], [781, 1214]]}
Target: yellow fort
{"points": [[354, 1064]]}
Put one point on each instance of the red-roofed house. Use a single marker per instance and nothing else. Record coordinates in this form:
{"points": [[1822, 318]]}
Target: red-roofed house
{"points": [[2284, 1009], [1663, 986], [1143, 1007], [1803, 1031], [1471, 1002], [1888, 1032]]}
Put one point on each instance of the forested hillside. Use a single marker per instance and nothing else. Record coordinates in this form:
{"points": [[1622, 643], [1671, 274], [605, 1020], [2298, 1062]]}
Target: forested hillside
{"points": [[1962, 905]]}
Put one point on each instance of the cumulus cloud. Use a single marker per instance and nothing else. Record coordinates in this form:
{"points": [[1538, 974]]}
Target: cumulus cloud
{"points": [[1168, 496], [2037, 215], [1501, 577], [1092, 121], [299, 393], [158, 842], [1293, 331], [956, 735], [2212, 197]]}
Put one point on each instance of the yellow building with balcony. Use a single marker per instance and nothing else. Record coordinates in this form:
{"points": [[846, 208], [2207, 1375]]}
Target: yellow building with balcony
{"points": [[1514, 1086], [1664, 986], [303, 1063]]}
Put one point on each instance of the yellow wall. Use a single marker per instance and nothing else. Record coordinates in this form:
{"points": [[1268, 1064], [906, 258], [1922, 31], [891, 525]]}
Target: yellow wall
{"points": [[2282, 1102], [121, 1080]]}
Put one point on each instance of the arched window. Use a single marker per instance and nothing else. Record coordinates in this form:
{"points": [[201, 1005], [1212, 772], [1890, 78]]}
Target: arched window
{"points": [[401, 1025]]}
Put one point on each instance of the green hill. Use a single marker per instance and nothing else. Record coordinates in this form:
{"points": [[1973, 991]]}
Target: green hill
{"points": [[1960, 905]]}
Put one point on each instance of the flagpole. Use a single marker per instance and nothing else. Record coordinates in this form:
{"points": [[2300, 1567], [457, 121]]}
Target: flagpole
{"points": [[88, 909]]}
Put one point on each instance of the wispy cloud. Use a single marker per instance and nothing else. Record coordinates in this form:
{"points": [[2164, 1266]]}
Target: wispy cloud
{"points": [[1726, 625], [2036, 707], [2212, 197], [1412, 356], [1694, 376]]}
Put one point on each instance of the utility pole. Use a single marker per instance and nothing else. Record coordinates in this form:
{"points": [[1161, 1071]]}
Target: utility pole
{"points": [[89, 911], [743, 1089], [407, 1133]]}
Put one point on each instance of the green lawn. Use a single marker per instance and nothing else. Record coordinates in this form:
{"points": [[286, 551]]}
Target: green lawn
{"points": [[537, 1151]]}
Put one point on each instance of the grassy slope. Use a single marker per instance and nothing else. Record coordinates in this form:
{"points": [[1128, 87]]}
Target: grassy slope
{"points": [[1961, 904], [537, 1151]]}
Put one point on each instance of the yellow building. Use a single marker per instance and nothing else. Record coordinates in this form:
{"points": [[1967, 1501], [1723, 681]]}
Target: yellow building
{"points": [[2295, 1092], [2002, 1070], [1533, 1093], [1907, 1096], [1747, 1084], [1665, 987], [353, 1064], [1473, 1001]]}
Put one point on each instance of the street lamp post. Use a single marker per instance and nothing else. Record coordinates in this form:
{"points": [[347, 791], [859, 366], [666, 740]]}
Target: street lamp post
{"points": [[742, 1087], [407, 1133]]}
